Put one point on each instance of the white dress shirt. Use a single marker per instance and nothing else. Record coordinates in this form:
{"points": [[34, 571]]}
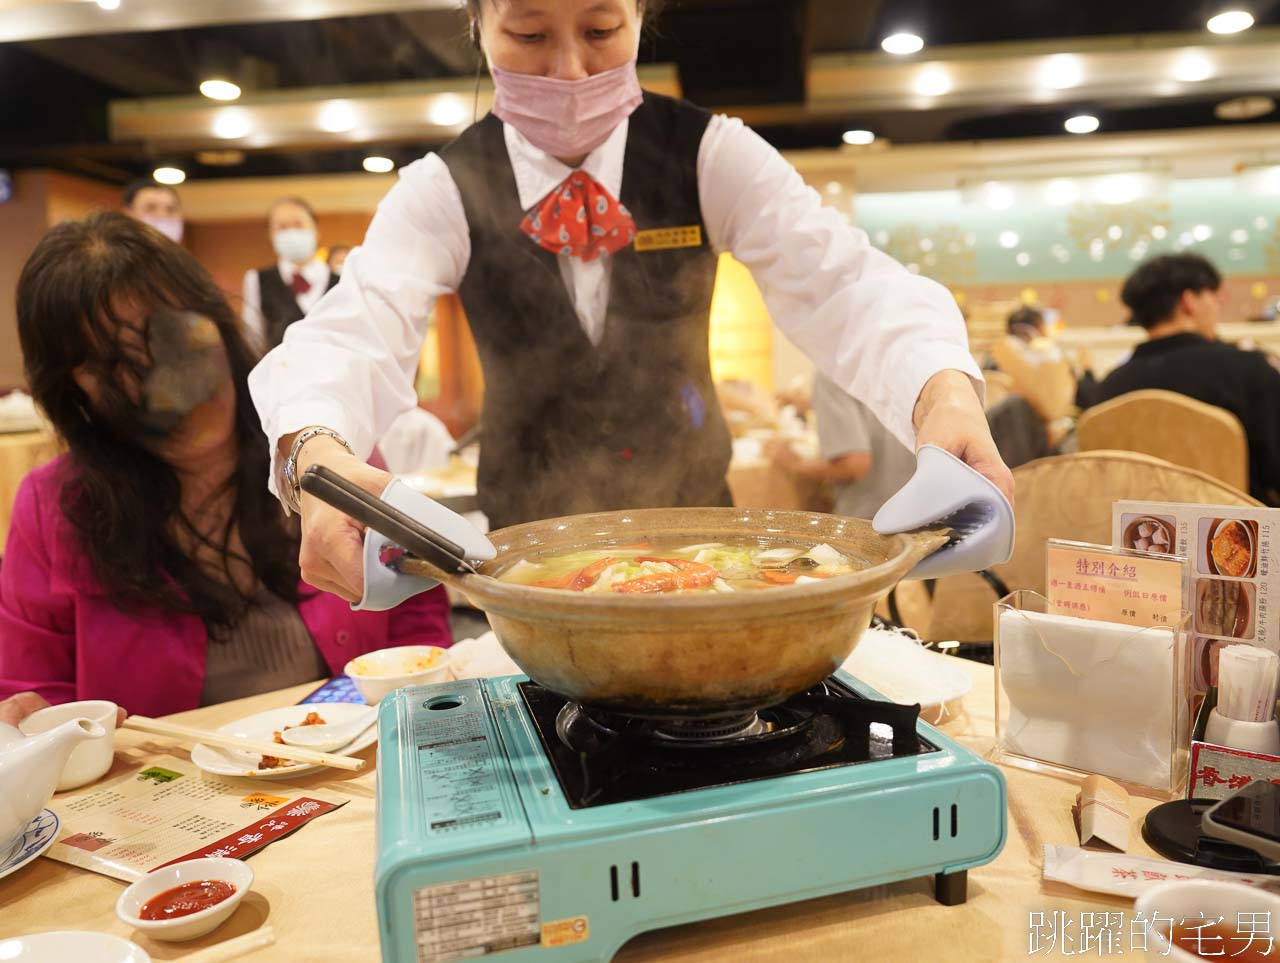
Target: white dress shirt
{"points": [[875, 329], [315, 271]]}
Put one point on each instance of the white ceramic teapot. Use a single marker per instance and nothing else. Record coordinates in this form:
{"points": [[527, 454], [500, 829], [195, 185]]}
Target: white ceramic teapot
{"points": [[29, 771]]}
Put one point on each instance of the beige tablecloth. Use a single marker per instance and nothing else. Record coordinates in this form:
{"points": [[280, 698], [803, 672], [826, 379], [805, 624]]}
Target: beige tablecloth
{"points": [[19, 453], [316, 887]]}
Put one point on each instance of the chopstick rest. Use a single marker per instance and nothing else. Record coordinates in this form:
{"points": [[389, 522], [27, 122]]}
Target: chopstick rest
{"points": [[294, 754]]}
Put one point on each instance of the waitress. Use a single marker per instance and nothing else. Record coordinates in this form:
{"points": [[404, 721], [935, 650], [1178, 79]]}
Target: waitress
{"points": [[580, 223]]}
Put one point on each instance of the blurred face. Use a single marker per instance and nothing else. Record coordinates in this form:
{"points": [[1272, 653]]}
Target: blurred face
{"points": [[1203, 307], [287, 216], [154, 203], [151, 382], [560, 39]]}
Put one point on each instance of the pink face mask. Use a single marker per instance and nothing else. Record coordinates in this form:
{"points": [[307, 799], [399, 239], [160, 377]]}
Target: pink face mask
{"points": [[566, 118]]}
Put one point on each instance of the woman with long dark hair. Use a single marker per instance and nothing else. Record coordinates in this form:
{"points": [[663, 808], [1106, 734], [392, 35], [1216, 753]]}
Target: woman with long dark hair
{"points": [[149, 565]]}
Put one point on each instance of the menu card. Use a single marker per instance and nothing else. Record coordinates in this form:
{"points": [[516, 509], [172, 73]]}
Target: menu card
{"points": [[167, 810], [1109, 585], [1233, 582]]}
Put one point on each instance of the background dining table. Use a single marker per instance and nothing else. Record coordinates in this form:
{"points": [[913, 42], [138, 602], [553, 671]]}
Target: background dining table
{"points": [[315, 887], [20, 452]]}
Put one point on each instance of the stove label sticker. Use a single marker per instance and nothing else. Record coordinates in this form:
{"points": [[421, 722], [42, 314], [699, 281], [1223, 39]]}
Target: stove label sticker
{"points": [[576, 929], [461, 781], [476, 917]]}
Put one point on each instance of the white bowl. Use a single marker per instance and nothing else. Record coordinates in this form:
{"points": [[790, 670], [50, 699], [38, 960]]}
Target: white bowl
{"points": [[64, 945], [1194, 898], [233, 871], [92, 758], [381, 672]]}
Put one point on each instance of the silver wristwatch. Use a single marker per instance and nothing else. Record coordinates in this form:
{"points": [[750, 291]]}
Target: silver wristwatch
{"points": [[291, 490]]}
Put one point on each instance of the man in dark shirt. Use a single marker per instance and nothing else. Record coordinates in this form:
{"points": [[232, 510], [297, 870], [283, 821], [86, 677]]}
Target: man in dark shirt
{"points": [[1175, 297]]}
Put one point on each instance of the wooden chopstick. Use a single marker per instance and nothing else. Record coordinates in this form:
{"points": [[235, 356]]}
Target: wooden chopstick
{"points": [[235, 947], [263, 746]]}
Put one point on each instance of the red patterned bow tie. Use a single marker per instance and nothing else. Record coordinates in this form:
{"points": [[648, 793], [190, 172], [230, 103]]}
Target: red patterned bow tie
{"points": [[580, 218], [299, 284]]}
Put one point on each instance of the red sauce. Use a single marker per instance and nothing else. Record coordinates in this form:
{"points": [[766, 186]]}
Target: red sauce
{"points": [[186, 899]]}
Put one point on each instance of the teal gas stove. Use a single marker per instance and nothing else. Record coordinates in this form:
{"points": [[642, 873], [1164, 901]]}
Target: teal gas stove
{"points": [[515, 825]]}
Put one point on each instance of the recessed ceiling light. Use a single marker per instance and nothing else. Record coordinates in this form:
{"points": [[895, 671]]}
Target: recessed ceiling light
{"points": [[1008, 239], [1118, 189], [1061, 72], [337, 117], [1202, 232], [447, 110], [1191, 68], [1115, 232], [902, 44], [1061, 192], [379, 165], [1081, 124], [1239, 236], [1023, 259], [933, 82], [858, 137], [1159, 232], [997, 196], [216, 89], [169, 175], [1244, 108], [231, 124], [1230, 21], [834, 188], [109, 4]]}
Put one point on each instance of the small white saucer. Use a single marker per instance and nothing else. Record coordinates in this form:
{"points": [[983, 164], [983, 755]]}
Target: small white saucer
{"points": [[66, 945], [35, 839]]}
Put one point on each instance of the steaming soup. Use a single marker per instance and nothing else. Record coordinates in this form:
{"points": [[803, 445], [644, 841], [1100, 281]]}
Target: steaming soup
{"points": [[679, 567]]}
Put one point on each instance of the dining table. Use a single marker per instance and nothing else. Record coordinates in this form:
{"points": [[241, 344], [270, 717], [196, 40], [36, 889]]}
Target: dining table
{"points": [[315, 887]]}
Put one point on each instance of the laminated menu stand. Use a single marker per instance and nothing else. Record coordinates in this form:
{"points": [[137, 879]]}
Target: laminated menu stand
{"points": [[1078, 696]]}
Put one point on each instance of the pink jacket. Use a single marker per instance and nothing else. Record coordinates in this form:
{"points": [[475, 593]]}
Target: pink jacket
{"points": [[61, 636]]}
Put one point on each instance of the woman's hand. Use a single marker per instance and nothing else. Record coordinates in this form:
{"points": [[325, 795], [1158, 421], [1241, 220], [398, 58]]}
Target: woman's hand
{"points": [[949, 414], [332, 554], [16, 708]]}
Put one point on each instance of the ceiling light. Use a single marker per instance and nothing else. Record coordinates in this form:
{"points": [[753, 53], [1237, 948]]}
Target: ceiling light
{"points": [[1230, 21], [337, 117], [1202, 232], [1239, 236], [109, 4], [1118, 189], [1008, 239], [1023, 259], [933, 82], [1061, 72], [1159, 232], [1061, 192], [902, 44], [858, 138], [216, 89], [1081, 124], [1244, 108], [1260, 223], [834, 188], [231, 124], [997, 196], [379, 165], [1193, 67], [1115, 232], [169, 175], [447, 110]]}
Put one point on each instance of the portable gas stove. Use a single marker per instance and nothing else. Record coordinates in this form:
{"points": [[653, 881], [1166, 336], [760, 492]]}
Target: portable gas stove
{"points": [[511, 822]]}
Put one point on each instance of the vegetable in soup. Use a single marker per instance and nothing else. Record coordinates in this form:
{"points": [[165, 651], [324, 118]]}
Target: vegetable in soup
{"points": [[681, 567]]}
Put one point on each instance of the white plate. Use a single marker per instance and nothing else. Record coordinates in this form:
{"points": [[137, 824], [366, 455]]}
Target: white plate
{"points": [[264, 725], [67, 945], [904, 671], [35, 839]]}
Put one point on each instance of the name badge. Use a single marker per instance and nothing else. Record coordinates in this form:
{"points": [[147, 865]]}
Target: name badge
{"points": [[666, 238]]}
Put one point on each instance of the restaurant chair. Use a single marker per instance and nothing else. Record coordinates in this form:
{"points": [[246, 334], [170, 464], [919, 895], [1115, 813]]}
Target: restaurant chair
{"points": [[999, 387], [1066, 496], [1171, 426]]}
